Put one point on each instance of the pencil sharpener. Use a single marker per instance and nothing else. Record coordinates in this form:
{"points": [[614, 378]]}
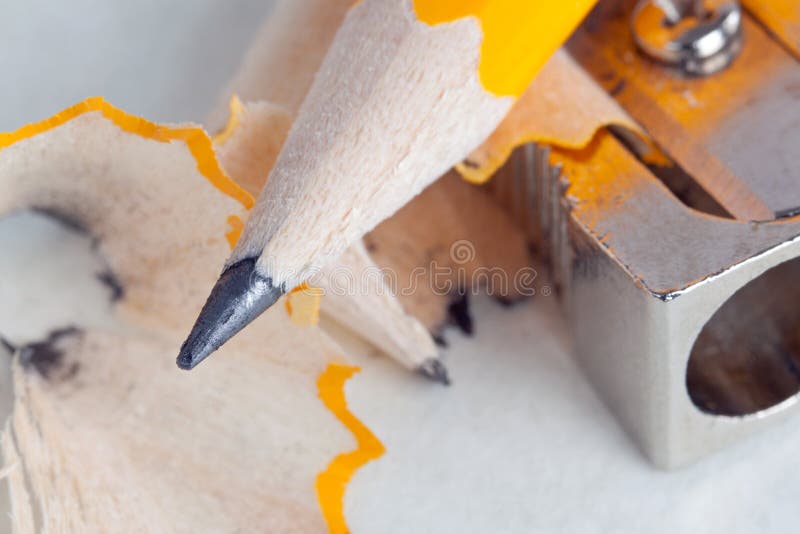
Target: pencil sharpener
{"points": [[680, 281]]}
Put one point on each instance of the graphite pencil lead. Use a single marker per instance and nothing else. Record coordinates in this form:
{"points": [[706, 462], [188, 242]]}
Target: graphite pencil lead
{"points": [[240, 295], [435, 370]]}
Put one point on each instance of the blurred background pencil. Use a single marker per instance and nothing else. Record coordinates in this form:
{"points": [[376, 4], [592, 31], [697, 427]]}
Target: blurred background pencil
{"points": [[406, 90]]}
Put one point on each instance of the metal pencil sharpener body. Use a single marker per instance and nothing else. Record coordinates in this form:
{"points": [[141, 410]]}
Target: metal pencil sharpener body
{"points": [[681, 284], [688, 325]]}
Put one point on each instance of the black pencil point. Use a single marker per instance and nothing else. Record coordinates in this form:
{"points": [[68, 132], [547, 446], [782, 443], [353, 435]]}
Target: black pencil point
{"points": [[435, 370], [240, 295]]}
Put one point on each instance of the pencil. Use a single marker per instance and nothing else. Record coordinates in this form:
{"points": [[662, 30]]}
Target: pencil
{"points": [[273, 79], [406, 90]]}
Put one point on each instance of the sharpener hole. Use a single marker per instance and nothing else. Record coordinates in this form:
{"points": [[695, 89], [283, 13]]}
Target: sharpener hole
{"points": [[747, 356]]}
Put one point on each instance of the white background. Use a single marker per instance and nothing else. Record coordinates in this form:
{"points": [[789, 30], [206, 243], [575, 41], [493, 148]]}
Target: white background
{"points": [[163, 59]]}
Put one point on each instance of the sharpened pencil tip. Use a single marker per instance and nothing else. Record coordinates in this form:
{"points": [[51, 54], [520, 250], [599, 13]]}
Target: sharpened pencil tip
{"points": [[240, 295], [435, 370]]}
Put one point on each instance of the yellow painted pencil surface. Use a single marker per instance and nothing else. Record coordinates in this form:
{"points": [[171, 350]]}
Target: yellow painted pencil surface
{"points": [[519, 36], [406, 90]]}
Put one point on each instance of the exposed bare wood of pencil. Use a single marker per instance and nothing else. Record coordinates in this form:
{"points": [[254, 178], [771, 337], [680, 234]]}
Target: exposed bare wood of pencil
{"points": [[411, 72], [276, 75], [447, 212], [271, 76], [359, 297], [370, 309], [336, 155]]}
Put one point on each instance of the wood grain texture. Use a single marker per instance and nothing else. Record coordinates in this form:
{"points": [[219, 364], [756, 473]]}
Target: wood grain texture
{"points": [[110, 436], [276, 75], [356, 296], [356, 154], [563, 106]]}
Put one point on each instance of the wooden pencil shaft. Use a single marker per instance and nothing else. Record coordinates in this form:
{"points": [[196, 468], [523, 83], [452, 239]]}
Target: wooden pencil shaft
{"points": [[395, 104]]}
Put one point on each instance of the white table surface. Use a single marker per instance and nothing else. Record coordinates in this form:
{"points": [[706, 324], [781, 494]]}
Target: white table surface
{"points": [[519, 443]]}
